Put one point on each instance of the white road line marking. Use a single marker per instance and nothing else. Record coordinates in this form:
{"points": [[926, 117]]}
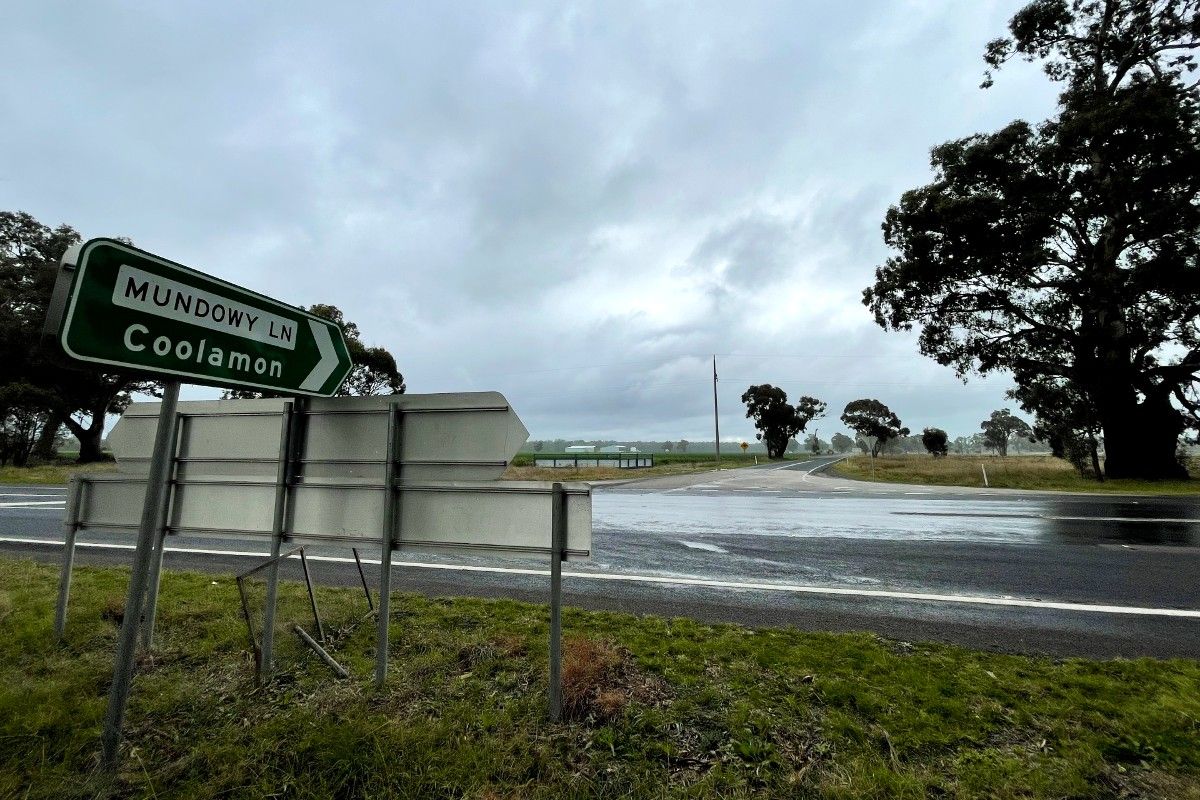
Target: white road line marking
{"points": [[704, 582], [32, 503], [1120, 519], [43, 494], [1050, 517], [918, 492], [809, 471]]}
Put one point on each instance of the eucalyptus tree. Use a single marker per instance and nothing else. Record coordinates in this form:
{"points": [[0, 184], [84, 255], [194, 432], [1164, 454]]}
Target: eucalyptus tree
{"points": [[1068, 252]]}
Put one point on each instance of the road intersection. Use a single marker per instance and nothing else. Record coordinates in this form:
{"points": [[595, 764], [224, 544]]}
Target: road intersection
{"points": [[1001, 569]]}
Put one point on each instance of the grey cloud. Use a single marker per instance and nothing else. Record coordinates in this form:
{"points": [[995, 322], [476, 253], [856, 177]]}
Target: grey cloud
{"points": [[575, 204]]}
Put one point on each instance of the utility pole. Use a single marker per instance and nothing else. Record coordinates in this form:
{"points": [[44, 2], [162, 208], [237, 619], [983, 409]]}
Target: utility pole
{"points": [[716, 419]]}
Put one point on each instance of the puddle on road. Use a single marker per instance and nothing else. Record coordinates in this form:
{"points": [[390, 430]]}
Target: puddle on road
{"points": [[712, 548]]}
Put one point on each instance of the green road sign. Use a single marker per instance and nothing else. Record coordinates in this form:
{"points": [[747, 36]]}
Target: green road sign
{"points": [[129, 309]]}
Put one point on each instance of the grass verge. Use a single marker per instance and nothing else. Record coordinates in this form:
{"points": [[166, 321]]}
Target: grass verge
{"points": [[1011, 472], [658, 707], [50, 474]]}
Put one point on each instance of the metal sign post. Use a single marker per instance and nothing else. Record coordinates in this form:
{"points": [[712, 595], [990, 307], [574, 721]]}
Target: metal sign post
{"points": [[716, 415], [391, 518], [420, 472], [284, 475], [558, 547], [156, 485], [160, 537], [117, 306], [74, 509]]}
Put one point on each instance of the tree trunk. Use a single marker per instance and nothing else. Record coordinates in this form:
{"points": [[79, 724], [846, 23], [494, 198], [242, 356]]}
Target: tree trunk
{"points": [[1096, 461], [90, 445], [20, 457], [776, 444], [91, 436], [45, 449], [1057, 446], [1140, 439]]}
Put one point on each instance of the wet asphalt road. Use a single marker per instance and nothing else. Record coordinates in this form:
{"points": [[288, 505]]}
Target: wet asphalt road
{"points": [[1015, 571]]}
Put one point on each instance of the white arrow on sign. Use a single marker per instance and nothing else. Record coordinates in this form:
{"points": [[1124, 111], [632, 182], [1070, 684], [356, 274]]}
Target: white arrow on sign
{"points": [[329, 358]]}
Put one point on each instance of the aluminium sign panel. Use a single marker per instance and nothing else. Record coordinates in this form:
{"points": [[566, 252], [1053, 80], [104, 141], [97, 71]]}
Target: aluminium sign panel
{"points": [[452, 448], [128, 309]]}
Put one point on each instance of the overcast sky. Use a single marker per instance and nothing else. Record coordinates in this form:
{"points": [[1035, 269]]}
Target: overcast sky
{"points": [[575, 204]]}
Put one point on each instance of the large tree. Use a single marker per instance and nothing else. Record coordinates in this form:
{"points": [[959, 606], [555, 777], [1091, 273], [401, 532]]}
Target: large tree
{"points": [[776, 420], [76, 395], [1002, 428], [1066, 421], [1068, 253], [935, 441], [875, 424]]}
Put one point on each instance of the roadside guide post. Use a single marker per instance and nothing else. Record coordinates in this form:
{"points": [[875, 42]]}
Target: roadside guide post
{"points": [[118, 306], [291, 471]]}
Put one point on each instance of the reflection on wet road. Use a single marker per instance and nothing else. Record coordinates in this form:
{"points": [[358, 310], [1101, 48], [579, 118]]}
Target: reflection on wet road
{"points": [[778, 546], [1084, 552]]}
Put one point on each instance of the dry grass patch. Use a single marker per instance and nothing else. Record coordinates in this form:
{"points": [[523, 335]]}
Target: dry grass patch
{"points": [[113, 611], [600, 678]]}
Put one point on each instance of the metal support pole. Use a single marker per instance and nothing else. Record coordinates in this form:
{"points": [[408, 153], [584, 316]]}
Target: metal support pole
{"points": [[312, 597], [391, 525], [156, 481], [362, 576], [558, 545], [329, 660], [716, 418], [283, 476], [74, 506], [160, 535]]}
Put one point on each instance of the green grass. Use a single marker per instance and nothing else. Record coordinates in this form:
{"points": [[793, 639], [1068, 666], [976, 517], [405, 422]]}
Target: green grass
{"points": [[661, 708], [50, 474], [1010, 472]]}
